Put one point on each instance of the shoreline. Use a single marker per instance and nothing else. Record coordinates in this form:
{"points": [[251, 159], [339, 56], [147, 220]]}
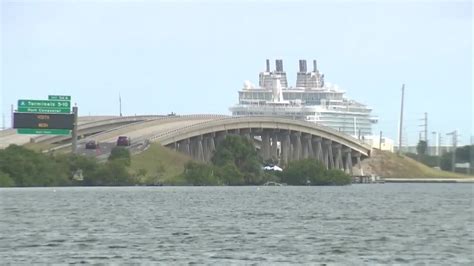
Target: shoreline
{"points": [[429, 180]]}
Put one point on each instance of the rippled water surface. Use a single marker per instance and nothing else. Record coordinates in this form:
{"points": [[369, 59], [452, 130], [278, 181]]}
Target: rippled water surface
{"points": [[358, 224]]}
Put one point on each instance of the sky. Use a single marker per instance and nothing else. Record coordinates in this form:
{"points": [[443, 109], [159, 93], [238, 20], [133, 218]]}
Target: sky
{"points": [[191, 57]]}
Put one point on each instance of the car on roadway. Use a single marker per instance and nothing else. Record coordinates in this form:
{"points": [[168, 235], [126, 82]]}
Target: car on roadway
{"points": [[124, 141], [92, 144]]}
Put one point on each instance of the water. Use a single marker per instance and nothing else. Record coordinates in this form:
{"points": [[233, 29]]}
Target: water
{"points": [[358, 224]]}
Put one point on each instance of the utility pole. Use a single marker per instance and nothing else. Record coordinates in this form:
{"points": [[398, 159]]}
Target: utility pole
{"points": [[455, 143], [401, 123], [74, 130], [436, 151], [425, 130], [380, 141], [436, 142], [12, 114], [120, 105]]}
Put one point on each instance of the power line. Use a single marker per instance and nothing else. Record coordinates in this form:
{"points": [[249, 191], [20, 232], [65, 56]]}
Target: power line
{"points": [[425, 128]]}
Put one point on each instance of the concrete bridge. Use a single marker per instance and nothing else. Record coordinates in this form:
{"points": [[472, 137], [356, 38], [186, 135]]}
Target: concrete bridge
{"points": [[198, 135], [280, 138]]}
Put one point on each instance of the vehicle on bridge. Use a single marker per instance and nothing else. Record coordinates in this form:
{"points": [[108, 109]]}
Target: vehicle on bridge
{"points": [[92, 144], [124, 141]]}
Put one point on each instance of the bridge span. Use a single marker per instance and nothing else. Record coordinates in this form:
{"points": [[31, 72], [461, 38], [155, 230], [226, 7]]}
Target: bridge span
{"points": [[280, 138], [198, 135]]}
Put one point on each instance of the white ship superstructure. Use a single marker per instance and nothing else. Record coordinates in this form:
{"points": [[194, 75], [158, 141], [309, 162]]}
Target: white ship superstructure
{"points": [[311, 99]]}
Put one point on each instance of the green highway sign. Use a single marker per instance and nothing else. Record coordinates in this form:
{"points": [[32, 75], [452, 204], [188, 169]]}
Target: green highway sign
{"points": [[44, 104], [59, 97], [44, 110], [44, 131]]}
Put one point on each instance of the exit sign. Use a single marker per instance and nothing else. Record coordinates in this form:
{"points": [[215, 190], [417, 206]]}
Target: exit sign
{"points": [[59, 97], [43, 104], [31, 131]]}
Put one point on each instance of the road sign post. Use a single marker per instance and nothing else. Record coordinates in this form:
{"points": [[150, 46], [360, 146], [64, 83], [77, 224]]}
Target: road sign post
{"points": [[46, 117], [74, 130]]}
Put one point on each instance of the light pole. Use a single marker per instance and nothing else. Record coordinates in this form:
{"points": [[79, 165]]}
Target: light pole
{"points": [[436, 142]]}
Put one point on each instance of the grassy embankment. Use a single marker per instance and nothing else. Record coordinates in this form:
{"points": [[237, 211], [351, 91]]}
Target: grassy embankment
{"points": [[392, 165], [39, 147], [159, 165]]}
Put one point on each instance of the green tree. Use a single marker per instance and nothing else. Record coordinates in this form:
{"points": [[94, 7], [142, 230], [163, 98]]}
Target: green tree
{"points": [[116, 174], [312, 172], [428, 160], [5, 180], [465, 154], [421, 147], [337, 177], [241, 152], [446, 161], [199, 174], [29, 168], [89, 167], [229, 174], [122, 154], [303, 172]]}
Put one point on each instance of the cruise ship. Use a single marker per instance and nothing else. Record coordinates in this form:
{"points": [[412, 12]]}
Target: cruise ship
{"points": [[312, 99]]}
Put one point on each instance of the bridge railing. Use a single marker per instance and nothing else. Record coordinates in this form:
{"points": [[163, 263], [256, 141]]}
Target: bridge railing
{"points": [[132, 119], [253, 119], [162, 118]]}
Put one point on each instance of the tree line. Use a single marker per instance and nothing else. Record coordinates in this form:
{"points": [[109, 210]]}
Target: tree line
{"points": [[22, 167], [464, 154], [236, 162]]}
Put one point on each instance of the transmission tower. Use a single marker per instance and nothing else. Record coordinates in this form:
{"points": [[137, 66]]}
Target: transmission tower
{"points": [[425, 128]]}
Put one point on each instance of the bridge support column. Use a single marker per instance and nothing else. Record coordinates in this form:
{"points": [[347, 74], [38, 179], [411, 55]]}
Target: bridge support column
{"points": [[317, 149], [184, 147], [285, 147], [307, 146], [246, 133], [265, 146], [348, 161], [296, 143], [220, 136], [327, 154], [210, 148], [205, 147], [338, 159], [199, 149], [274, 148], [357, 155], [234, 131]]}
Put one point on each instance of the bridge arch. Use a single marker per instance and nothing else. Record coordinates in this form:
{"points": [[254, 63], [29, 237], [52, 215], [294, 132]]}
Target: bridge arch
{"points": [[281, 138]]}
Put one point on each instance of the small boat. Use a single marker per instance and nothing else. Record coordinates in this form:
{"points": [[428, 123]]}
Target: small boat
{"points": [[274, 184], [272, 168]]}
